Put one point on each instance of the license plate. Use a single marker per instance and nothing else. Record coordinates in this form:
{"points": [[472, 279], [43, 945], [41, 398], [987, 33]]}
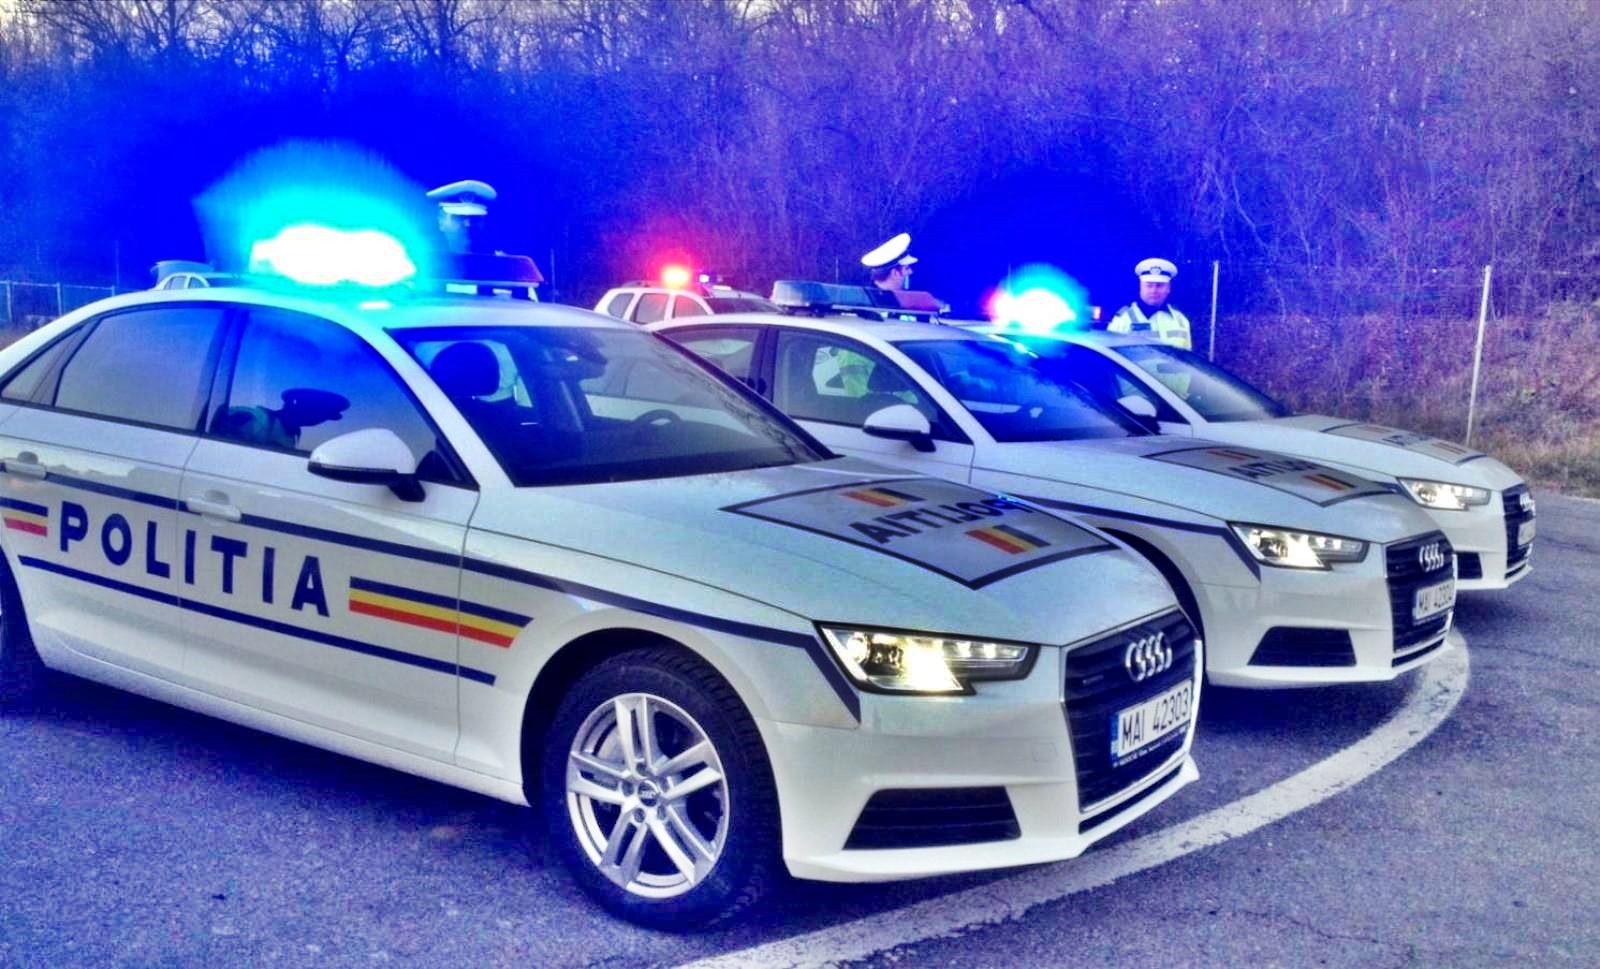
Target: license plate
{"points": [[1431, 600], [1136, 728], [1525, 532]]}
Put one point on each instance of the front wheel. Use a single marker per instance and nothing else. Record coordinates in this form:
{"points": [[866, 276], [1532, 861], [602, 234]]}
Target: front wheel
{"points": [[658, 793]]}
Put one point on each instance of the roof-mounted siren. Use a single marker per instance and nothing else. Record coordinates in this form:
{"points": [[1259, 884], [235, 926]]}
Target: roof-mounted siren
{"points": [[803, 296], [489, 274]]}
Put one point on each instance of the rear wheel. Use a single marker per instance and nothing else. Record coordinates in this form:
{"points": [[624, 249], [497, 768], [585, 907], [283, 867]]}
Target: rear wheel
{"points": [[22, 674], [658, 794]]}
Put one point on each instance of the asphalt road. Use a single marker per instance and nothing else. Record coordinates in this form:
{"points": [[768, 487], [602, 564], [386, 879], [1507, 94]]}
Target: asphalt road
{"points": [[133, 834]]}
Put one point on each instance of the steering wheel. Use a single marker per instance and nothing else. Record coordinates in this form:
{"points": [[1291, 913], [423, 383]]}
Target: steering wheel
{"points": [[658, 417]]}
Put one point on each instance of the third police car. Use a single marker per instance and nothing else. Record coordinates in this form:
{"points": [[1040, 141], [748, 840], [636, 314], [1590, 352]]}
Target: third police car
{"points": [[1483, 507], [538, 553], [1300, 574]]}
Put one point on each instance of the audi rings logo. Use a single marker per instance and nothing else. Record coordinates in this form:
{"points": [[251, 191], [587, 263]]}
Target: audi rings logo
{"points": [[1146, 657], [1525, 502], [1431, 556]]}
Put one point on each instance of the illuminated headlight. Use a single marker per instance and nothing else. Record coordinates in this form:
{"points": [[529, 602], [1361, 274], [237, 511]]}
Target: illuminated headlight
{"points": [[1439, 494], [1298, 550], [902, 662]]}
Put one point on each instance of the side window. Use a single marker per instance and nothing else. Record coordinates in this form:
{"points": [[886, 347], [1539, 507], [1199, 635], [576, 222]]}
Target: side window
{"points": [[1108, 381], [731, 350], [652, 307], [34, 380], [821, 377], [152, 366], [299, 381], [618, 306], [686, 306]]}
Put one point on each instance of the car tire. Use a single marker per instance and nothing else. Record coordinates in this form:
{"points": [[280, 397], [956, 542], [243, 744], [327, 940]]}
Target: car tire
{"points": [[667, 860], [23, 675]]}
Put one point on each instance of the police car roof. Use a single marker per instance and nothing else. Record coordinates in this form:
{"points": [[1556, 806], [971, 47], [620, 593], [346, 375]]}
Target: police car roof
{"points": [[379, 312], [1102, 338]]}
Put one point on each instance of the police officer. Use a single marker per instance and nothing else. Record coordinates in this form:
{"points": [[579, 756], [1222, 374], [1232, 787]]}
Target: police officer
{"points": [[463, 207], [1150, 314], [890, 264]]}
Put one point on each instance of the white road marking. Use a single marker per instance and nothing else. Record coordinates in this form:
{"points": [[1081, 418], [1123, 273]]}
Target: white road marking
{"points": [[1434, 693]]}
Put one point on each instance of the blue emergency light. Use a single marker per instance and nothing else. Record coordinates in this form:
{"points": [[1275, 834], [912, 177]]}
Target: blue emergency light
{"points": [[318, 255], [1040, 298]]}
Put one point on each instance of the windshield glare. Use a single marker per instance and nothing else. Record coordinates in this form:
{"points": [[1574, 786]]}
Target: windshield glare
{"points": [[1011, 396], [1213, 392], [580, 405]]}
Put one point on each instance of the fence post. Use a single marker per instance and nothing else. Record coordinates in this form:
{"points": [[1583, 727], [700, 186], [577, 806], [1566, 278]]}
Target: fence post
{"points": [[61, 301], [1216, 274], [11, 310], [1477, 352]]}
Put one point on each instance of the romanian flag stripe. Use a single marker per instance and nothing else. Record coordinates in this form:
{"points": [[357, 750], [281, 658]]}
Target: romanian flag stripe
{"points": [[1450, 448], [1329, 481], [1022, 536], [472, 620], [881, 497], [1012, 541], [26, 507], [398, 615], [28, 523]]}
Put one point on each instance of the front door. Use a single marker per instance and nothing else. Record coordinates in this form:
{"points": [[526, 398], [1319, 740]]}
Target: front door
{"points": [[330, 602]]}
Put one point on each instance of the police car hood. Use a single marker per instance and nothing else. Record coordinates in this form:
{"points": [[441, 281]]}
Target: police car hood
{"points": [[1225, 482], [1384, 452], [851, 541]]}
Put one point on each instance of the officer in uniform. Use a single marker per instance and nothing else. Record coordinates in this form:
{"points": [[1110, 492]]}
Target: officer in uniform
{"points": [[890, 264], [1150, 314], [463, 206]]}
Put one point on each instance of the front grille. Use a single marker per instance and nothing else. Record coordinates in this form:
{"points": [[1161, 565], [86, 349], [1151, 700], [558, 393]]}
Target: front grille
{"points": [[1516, 555], [1294, 646], [1406, 575], [1469, 565], [931, 817], [1099, 686]]}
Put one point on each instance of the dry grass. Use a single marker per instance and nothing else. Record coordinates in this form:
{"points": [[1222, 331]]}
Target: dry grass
{"points": [[1538, 396]]}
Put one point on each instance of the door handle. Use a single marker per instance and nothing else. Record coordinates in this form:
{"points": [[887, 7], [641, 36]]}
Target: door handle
{"points": [[213, 505], [25, 465]]}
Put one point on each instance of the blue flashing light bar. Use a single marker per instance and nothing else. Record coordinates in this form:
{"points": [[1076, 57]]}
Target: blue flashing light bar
{"points": [[317, 255], [1040, 298]]}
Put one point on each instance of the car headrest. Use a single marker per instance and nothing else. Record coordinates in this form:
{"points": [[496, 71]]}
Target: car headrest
{"points": [[466, 370]]}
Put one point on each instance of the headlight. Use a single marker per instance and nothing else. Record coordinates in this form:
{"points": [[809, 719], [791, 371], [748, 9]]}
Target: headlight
{"points": [[1298, 550], [903, 662], [1443, 495]]}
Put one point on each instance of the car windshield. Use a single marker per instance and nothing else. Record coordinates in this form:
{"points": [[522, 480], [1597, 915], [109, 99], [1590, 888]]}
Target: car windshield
{"points": [[1213, 392], [585, 405], [1011, 396]]}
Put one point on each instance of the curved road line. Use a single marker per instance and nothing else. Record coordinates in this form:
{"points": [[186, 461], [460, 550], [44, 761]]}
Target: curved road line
{"points": [[1433, 695]]}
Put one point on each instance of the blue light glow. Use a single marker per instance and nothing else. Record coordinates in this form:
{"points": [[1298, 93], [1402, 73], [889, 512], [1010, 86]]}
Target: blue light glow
{"points": [[318, 255], [1039, 298]]}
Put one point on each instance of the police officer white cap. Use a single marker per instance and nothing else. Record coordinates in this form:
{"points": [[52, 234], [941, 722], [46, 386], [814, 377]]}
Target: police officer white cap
{"points": [[467, 197], [1155, 271], [892, 252]]}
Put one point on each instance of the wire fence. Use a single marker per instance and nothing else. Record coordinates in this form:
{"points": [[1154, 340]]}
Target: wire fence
{"points": [[28, 306]]}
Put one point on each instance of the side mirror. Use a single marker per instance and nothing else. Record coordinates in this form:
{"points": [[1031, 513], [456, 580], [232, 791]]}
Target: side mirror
{"points": [[372, 456], [901, 422], [1137, 406]]}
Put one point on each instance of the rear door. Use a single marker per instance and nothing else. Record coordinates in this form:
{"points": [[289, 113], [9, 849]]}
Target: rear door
{"points": [[93, 459], [330, 602]]}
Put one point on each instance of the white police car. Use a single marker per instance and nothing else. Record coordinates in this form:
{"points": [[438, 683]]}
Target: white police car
{"points": [[1483, 507], [1299, 574], [676, 295], [540, 554]]}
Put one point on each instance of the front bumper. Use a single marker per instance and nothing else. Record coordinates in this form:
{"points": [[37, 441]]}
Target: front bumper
{"points": [[1005, 770], [1485, 539], [1349, 624]]}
